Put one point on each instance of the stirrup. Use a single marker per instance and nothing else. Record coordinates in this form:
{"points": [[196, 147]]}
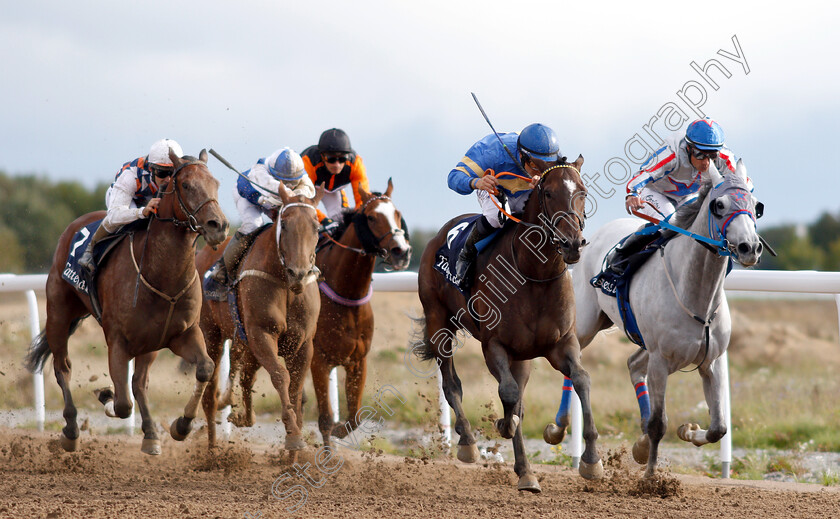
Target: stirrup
{"points": [[218, 273]]}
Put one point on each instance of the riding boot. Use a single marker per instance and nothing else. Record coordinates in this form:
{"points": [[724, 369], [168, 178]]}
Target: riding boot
{"points": [[466, 257], [86, 261], [229, 261]]}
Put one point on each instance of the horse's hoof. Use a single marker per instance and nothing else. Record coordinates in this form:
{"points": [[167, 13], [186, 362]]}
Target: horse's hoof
{"points": [[499, 424], [553, 434], [150, 447], [529, 482], [294, 442], [468, 453], [684, 431], [69, 445], [176, 432], [593, 471], [641, 450]]}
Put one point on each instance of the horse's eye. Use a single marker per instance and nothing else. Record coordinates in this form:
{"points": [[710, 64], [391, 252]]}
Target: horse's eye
{"points": [[370, 218], [548, 194]]}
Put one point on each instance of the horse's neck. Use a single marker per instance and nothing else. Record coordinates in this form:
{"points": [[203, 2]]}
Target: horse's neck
{"points": [[349, 272], [697, 272], [170, 253]]}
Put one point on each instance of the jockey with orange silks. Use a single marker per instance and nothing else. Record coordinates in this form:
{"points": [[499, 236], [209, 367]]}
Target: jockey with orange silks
{"points": [[489, 169], [334, 163]]}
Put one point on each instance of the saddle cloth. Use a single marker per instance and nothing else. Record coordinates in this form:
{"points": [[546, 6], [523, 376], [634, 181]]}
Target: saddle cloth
{"points": [[618, 286], [73, 273], [447, 255]]}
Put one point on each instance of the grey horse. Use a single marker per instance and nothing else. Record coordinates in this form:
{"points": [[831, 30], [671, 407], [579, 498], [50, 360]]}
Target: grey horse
{"points": [[676, 295]]}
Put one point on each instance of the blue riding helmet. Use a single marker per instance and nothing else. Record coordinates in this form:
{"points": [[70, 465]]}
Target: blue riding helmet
{"points": [[705, 134], [285, 164], [539, 141]]}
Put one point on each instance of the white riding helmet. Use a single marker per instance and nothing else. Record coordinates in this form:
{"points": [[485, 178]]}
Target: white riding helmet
{"points": [[285, 164], [159, 154]]}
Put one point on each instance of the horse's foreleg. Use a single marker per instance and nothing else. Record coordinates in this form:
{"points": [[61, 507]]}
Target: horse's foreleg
{"points": [[658, 422], [566, 359], [321, 381], [354, 385], [713, 389], [498, 362], [637, 364], [118, 404], [139, 385], [264, 347], [521, 371], [190, 347], [247, 376], [298, 365], [209, 399]]}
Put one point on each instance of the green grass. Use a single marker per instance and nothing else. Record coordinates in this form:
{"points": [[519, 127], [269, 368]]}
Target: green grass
{"points": [[829, 478]]}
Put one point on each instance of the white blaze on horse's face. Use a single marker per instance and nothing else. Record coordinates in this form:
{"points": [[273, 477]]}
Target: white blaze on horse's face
{"points": [[389, 211], [572, 188]]}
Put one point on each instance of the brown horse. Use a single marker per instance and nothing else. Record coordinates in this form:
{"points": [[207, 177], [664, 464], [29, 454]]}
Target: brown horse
{"points": [[534, 318], [278, 304], [168, 302], [345, 327]]}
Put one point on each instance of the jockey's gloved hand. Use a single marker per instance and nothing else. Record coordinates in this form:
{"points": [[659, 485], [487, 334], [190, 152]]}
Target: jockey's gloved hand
{"points": [[269, 202], [328, 226]]}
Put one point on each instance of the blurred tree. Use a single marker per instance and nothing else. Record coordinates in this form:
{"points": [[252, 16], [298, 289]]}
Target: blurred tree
{"points": [[11, 252], [824, 231]]}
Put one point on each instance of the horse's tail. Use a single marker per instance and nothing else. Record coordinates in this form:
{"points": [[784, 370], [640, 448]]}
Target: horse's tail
{"points": [[39, 350], [419, 344]]}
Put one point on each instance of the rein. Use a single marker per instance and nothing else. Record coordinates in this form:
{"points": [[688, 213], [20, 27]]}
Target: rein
{"points": [[280, 218], [171, 299]]}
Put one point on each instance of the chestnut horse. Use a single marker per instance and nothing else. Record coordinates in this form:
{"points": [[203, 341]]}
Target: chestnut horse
{"points": [[345, 327], [168, 302], [278, 305], [534, 318]]}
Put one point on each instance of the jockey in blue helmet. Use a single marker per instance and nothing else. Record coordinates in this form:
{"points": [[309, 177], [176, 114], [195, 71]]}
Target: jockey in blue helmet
{"points": [[284, 170], [672, 176], [489, 169]]}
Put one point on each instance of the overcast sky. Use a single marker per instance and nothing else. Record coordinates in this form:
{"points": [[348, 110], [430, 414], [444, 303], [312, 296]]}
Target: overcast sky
{"points": [[89, 85]]}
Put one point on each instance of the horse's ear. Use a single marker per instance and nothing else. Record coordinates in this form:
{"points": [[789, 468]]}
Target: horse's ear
{"points": [[176, 160], [390, 188], [364, 194], [202, 156], [319, 194], [714, 174], [283, 193], [741, 170], [578, 163]]}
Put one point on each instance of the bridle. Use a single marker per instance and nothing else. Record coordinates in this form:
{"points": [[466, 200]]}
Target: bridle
{"points": [[379, 250], [544, 224], [279, 222], [191, 222]]}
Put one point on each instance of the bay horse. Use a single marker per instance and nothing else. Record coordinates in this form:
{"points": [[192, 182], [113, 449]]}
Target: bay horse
{"points": [[278, 305], [167, 304], [535, 318], [679, 303], [345, 326]]}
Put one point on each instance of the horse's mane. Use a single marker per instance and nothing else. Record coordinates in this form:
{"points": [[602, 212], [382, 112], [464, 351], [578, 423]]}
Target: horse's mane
{"points": [[347, 218], [686, 214]]}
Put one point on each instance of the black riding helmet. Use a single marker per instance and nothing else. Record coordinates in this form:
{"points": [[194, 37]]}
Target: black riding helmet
{"points": [[334, 140]]}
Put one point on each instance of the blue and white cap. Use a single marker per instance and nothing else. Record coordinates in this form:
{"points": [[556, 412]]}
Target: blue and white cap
{"points": [[539, 141], [705, 134], [285, 164]]}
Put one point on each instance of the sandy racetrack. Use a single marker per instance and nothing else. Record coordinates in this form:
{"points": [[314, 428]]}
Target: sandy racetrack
{"points": [[109, 477]]}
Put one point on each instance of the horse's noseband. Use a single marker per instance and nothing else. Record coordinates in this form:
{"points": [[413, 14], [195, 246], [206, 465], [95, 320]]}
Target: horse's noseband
{"points": [[191, 220]]}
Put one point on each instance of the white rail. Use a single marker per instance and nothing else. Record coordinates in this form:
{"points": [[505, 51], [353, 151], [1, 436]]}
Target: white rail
{"points": [[808, 282]]}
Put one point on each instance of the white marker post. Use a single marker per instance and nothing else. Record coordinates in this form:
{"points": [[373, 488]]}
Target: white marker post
{"points": [[224, 376], [576, 440], [334, 393], [445, 416], [38, 376]]}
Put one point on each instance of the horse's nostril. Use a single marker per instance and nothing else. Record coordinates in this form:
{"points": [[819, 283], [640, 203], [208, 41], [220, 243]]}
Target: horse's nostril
{"points": [[759, 249], [743, 248]]}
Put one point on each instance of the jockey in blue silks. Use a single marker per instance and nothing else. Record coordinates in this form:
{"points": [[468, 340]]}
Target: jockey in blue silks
{"points": [[671, 177], [489, 169]]}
